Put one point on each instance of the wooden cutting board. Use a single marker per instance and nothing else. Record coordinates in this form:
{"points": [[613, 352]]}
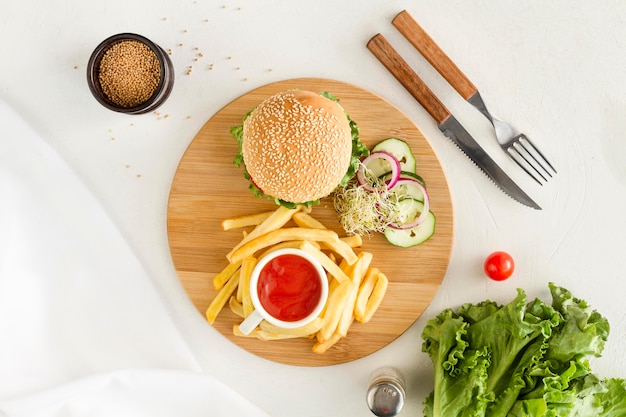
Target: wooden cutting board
{"points": [[208, 188]]}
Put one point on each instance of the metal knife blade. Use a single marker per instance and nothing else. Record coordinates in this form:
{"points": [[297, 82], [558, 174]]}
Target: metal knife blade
{"points": [[447, 123], [457, 133]]}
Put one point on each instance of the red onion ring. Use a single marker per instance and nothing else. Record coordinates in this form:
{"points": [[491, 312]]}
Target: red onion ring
{"points": [[425, 210], [395, 170]]}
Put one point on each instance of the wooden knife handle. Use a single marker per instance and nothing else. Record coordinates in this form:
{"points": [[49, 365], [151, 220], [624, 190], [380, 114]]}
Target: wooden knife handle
{"points": [[398, 67], [414, 33]]}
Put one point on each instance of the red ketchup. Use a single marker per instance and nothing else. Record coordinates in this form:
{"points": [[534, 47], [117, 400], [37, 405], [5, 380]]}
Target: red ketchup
{"points": [[289, 287]]}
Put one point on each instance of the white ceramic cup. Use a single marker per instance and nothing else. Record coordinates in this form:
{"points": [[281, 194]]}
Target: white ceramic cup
{"points": [[260, 313]]}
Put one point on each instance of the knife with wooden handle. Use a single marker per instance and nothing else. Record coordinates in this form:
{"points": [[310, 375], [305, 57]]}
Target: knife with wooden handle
{"points": [[447, 123], [398, 67]]}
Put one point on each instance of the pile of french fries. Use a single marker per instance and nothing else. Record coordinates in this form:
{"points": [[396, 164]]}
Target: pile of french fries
{"points": [[356, 289]]}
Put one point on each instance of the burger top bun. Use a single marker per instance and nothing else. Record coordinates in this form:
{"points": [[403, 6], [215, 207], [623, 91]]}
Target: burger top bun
{"points": [[297, 146]]}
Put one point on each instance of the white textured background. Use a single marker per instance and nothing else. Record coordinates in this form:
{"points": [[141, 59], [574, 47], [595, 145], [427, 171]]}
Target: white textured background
{"points": [[554, 69]]}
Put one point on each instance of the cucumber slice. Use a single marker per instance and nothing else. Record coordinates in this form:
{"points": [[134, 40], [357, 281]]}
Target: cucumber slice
{"points": [[401, 150], [405, 190], [403, 174], [413, 175], [417, 235]]}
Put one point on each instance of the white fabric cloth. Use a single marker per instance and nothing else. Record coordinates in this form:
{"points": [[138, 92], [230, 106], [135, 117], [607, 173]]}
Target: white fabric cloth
{"points": [[77, 305], [134, 393]]}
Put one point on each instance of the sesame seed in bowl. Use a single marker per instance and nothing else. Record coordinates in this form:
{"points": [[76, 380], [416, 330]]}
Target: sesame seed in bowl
{"points": [[130, 74]]}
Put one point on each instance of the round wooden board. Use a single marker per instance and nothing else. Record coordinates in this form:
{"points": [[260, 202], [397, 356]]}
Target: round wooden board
{"points": [[208, 188]]}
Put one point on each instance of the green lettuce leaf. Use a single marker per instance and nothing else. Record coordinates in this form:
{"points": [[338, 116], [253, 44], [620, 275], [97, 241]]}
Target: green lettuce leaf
{"points": [[583, 332], [522, 359], [460, 372], [613, 400]]}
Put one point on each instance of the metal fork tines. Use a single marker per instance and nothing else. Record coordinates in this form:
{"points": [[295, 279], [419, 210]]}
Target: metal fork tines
{"points": [[518, 146]]}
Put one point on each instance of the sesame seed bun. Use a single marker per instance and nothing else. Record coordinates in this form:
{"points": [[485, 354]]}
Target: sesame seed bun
{"points": [[297, 146]]}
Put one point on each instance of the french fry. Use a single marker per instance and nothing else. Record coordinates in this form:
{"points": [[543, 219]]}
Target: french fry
{"points": [[281, 235], [331, 267], [332, 286], [222, 297], [376, 298], [246, 220], [332, 257], [262, 334], [322, 347], [358, 271], [247, 266], [289, 244], [308, 221], [275, 221], [340, 247], [303, 331], [365, 290], [221, 278], [334, 308], [235, 306], [354, 241]]}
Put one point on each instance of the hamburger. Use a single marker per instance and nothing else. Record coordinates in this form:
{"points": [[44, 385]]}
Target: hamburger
{"points": [[297, 147]]}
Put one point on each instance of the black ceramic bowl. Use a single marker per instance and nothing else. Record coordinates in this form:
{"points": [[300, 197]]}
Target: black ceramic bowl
{"points": [[162, 91]]}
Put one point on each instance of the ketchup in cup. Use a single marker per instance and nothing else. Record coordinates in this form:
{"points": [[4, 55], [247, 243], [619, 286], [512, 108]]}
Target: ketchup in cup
{"points": [[288, 288]]}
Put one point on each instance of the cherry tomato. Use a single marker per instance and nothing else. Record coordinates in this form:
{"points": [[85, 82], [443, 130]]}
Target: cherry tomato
{"points": [[499, 266]]}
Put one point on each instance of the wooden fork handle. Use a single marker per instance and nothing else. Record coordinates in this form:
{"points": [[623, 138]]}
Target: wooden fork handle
{"points": [[414, 33], [389, 57]]}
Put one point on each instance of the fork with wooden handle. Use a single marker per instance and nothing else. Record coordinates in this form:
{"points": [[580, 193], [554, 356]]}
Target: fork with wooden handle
{"points": [[518, 146]]}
